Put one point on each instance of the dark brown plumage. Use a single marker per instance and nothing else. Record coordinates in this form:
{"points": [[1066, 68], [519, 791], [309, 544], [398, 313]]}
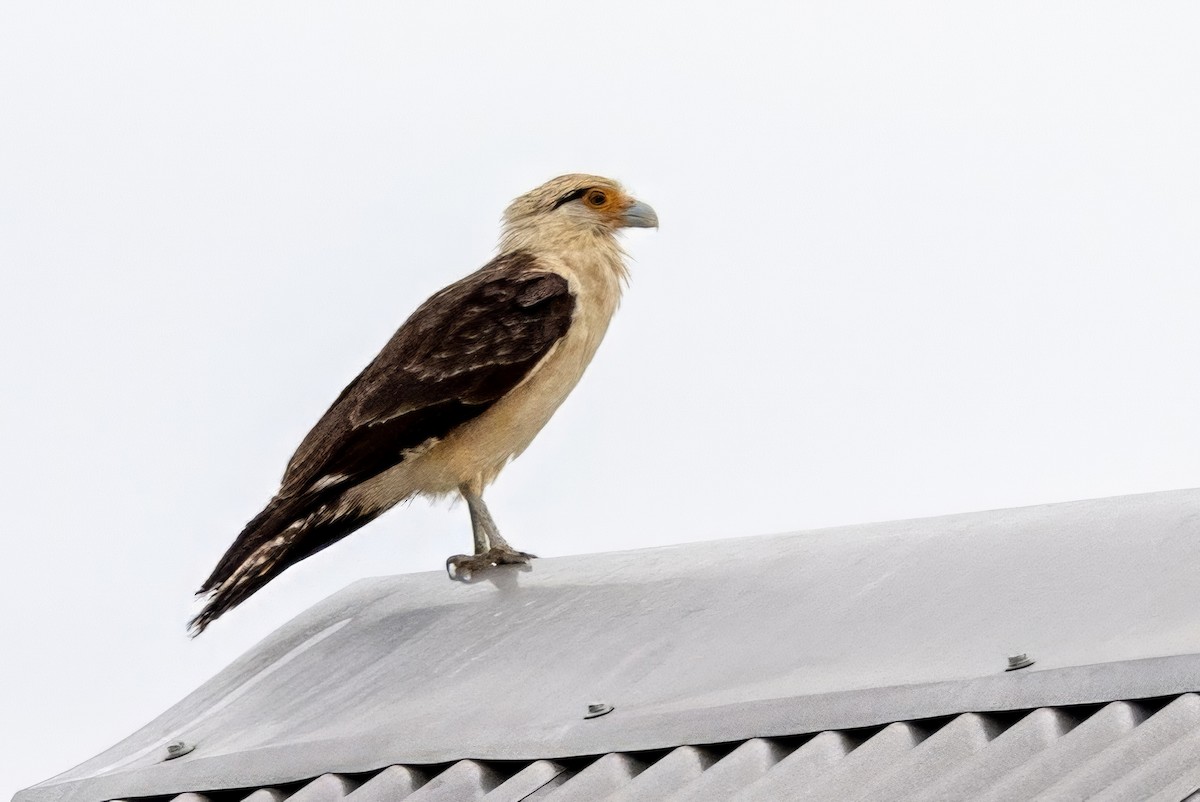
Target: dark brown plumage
{"points": [[452, 359]]}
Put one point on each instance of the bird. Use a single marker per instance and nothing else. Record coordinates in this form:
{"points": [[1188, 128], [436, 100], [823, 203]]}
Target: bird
{"points": [[461, 388]]}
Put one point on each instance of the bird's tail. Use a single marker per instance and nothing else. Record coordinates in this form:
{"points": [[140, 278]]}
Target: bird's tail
{"points": [[283, 534]]}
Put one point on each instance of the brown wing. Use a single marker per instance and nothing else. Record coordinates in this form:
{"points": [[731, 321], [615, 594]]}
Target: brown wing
{"points": [[460, 352]]}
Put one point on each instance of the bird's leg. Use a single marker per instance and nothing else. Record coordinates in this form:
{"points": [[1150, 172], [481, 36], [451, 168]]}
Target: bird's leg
{"points": [[481, 522], [490, 548]]}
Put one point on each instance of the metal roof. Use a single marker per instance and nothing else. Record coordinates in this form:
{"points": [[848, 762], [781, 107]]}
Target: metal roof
{"points": [[1119, 751], [808, 655]]}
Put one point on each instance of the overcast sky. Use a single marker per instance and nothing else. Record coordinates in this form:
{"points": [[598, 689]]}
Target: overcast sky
{"points": [[915, 258]]}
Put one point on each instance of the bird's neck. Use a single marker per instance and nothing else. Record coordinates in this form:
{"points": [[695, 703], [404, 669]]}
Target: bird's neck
{"points": [[583, 249]]}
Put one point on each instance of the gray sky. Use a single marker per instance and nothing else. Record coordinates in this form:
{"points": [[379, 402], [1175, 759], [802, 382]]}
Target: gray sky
{"points": [[915, 258]]}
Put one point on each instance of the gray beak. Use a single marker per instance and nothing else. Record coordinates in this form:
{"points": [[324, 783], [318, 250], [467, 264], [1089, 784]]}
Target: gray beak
{"points": [[640, 215]]}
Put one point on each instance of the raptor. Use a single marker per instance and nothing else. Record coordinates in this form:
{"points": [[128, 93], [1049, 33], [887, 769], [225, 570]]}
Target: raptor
{"points": [[461, 389]]}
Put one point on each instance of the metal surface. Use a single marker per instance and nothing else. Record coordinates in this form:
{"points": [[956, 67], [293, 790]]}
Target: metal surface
{"points": [[1049, 755], [738, 641]]}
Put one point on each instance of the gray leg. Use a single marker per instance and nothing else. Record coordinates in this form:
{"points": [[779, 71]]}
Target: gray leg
{"points": [[482, 524], [490, 548]]}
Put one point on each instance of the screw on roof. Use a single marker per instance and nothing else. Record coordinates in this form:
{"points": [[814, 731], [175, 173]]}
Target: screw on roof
{"points": [[178, 749], [1018, 661], [598, 709]]}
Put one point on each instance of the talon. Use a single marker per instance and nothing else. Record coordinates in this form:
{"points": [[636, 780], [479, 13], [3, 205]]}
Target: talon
{"points": [[461, 565], [462, 568]]}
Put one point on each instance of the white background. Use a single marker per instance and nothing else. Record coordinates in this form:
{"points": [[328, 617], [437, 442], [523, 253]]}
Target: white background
{"points": [[915, 258]]}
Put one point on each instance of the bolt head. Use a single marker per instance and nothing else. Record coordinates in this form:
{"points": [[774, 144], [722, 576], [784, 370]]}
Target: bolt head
{"points": [[1017, 661], [597, 709], [178, 749]]}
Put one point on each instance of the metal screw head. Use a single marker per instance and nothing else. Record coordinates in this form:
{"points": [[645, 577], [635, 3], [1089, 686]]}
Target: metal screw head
{"points": [[598, 709], [178, 749], [1017, 661]]}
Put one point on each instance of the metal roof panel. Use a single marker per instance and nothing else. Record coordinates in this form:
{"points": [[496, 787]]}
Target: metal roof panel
{"points": [[706, 643]]}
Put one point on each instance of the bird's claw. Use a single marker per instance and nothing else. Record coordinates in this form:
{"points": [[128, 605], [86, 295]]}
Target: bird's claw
{"points": [[461, 567]]}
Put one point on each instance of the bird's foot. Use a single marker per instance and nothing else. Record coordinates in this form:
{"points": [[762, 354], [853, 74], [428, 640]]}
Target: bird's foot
{"points": [[462, 567]]}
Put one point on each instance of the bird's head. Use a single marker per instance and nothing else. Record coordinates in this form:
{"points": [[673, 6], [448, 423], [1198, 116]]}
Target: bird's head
{"points": [[575, 205]]}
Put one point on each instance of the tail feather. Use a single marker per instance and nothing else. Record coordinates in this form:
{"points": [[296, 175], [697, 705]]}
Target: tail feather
{"points": [[283, 534]]}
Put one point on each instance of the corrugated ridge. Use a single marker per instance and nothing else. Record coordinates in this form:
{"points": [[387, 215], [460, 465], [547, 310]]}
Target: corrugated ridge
{"points": [[1121, 750]]}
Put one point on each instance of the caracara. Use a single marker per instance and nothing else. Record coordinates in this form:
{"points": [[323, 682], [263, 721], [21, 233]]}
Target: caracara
{"points": [[462, 388]]}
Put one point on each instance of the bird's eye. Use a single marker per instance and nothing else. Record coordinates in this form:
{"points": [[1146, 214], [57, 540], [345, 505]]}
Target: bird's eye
{"points": [[596, 198]]}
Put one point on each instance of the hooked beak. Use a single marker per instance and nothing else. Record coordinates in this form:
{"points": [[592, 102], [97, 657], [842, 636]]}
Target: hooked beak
{"points": [[640, 215]]}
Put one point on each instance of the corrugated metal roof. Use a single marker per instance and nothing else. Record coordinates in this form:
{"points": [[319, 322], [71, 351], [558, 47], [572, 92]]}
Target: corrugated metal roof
{"points": [[1120, 751], [759, 643]]}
